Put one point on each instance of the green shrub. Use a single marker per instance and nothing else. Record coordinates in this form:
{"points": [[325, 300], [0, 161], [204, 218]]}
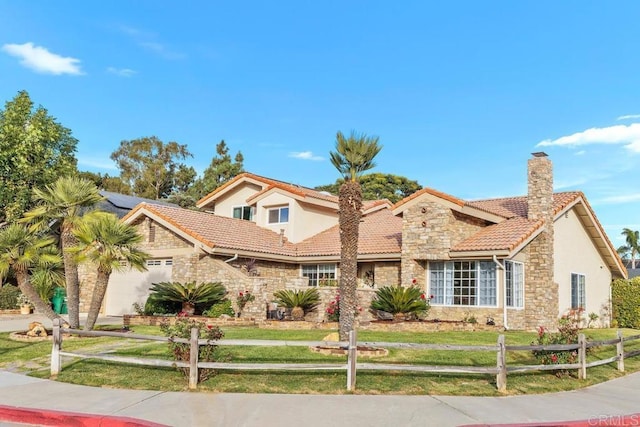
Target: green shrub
{"points": [[398, 300], [220, 308], [568, 330], [300, 301], [153, 307], [189, 294], [207, 353], [9, 297], [625, 299]]}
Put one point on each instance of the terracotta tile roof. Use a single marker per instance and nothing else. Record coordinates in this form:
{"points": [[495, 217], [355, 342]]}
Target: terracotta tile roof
{"points": [[506, 235], [270, 184], [510, 207], [427, 190], [222, 232], [380, 233]]}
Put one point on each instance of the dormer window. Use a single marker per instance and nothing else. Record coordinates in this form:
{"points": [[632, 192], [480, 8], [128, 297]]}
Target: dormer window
{"points": [[279, 215], [243, 212]]}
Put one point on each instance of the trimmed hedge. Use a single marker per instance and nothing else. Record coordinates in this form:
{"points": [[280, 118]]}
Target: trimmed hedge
{"points": [[625, 298]]}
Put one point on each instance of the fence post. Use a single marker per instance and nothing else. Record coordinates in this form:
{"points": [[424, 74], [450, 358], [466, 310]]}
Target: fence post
{"points": [[352, 356], [582, 357], [55, 351], [620, 350], [194, 350], [501, 377]]}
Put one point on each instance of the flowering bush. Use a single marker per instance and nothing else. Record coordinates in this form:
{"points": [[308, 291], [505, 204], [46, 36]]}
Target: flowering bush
{"points": [[182, 329], [568, 329], [244, 298], [333, 310]]}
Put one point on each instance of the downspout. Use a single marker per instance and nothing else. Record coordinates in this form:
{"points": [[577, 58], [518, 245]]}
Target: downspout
{"points": [[233, 258], [504, 294]]}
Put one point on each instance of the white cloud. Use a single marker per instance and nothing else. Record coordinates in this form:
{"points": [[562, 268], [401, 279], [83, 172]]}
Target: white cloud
{"points": [[41, 60], [629, 116], [581, 153], [305, 155], [627, 135], [620, 199], [122, 72]]}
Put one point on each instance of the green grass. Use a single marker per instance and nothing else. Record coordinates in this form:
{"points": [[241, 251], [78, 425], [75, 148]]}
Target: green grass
{"points": [[104, 374]]}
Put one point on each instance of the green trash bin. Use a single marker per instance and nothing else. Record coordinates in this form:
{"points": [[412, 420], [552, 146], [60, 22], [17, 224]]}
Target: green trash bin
{"points": [[58, 300], [64, 310]]}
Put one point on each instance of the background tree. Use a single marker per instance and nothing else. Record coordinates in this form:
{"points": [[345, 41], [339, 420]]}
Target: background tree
{"points": [[65, 202], [377, 186], [34, 151], [353, 156], [106, 182], [105, 241], [221, 169], [631, 249], [21, 250], [149, 166]]}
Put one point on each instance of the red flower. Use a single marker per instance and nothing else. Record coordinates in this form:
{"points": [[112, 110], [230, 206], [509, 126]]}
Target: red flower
{"points": [[431, 297], [423, 296], [414, 281], [540, 331], [209, 326], [241, 294], [554, 358]]}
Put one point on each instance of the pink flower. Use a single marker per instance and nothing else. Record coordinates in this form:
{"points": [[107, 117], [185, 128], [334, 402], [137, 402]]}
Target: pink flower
{"points": [[540, 331]]}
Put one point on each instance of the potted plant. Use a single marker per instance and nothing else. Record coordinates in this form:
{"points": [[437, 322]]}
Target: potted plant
{"points": [[24, 304]]}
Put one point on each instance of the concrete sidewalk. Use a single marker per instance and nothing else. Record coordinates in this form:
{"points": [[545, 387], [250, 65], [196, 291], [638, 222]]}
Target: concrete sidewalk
{"points": [[20, 322], [602, 402]]}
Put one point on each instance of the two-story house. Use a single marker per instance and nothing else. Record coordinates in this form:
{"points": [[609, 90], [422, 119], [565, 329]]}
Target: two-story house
{"points": [[521, 261]]}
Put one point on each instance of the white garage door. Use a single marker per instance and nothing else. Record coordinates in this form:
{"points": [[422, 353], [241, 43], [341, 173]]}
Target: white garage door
{"points": [[131, 286]]}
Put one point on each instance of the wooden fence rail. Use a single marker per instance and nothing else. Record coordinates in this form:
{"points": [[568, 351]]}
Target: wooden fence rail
{"points": [[501, 370]]}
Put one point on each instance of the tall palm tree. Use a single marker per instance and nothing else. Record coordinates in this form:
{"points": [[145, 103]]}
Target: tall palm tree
{"points": [[107, 243], [632, 247], [353, 156], [21, 250], [65, 201]]}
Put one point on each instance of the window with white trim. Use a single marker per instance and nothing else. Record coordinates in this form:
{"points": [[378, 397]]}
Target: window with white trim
{"points": [[278, 215], [577, 290], [243, 212], [320, 274], [469, 283], [514, 281]]}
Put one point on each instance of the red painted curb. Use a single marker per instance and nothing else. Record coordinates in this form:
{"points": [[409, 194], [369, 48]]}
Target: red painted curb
{"points": [[71, 419], [595, 421]]}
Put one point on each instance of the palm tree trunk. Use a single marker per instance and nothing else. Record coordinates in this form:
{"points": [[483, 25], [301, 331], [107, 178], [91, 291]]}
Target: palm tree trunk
{"points": [[633, 258], [350, 200], [68, 240], [29, 291], [102, 280]]}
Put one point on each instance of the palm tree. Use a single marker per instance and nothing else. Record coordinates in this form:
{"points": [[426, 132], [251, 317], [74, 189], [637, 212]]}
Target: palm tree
{"points": [[632, 247], [106, 243], [352, 157], [21, 250], [65, 201]]}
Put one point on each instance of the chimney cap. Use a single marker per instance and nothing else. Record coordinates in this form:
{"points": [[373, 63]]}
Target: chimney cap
{"points": [[540, 154]]}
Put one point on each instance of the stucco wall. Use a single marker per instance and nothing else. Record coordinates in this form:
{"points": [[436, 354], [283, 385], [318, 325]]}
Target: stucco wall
{"points": [[575, 253], [237, 197]]}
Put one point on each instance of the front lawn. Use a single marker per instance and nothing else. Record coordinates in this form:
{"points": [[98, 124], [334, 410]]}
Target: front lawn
{"points": [[100, 373]]}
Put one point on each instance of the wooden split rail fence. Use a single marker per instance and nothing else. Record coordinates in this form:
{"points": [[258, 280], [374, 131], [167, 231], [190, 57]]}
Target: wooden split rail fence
{"points": [[500, 370]]}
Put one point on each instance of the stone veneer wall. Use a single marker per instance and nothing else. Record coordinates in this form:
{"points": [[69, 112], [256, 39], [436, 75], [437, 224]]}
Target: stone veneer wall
{"points": [[429, 230], [386, 274]]}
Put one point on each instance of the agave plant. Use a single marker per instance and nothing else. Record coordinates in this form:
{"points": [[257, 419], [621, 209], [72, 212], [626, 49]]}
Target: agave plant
{"points": [[189, 294], [401, 301], [300, 301]]}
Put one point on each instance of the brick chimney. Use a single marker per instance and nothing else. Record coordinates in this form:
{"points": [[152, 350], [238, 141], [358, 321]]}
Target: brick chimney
{"points": [[541, 292]]}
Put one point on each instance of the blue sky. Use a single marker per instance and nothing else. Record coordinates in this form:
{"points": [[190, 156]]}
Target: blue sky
{"points": [[459, 92]]}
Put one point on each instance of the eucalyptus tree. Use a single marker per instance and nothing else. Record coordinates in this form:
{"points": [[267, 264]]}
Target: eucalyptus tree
{"points": [[22, 250], [64, 204], [109, 245], [353, 156]]}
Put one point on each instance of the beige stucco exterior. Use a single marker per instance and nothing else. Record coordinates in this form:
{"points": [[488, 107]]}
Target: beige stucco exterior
{"points": [[575, 253]]}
